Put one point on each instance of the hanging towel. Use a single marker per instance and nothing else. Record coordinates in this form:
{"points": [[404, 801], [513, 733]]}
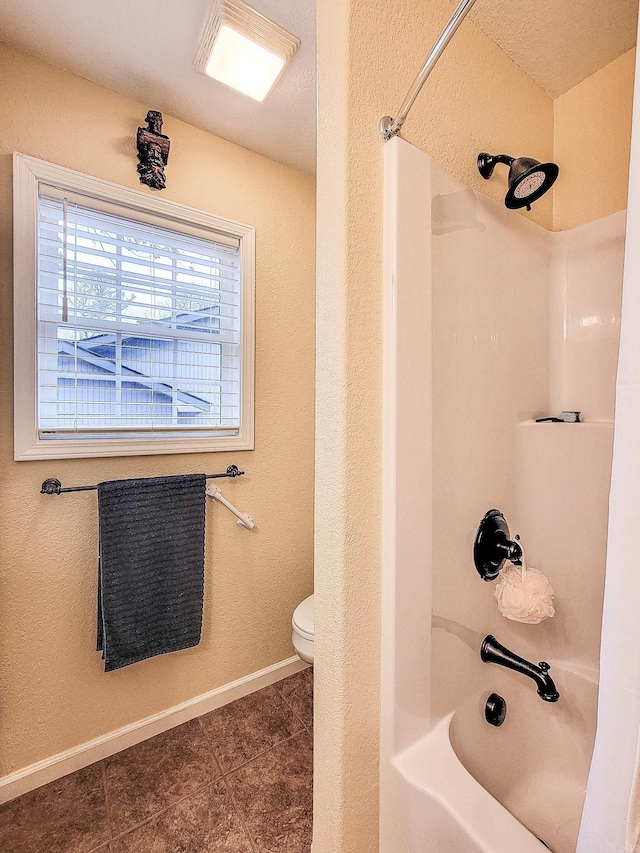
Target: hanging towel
{"points": [[150, 567]]}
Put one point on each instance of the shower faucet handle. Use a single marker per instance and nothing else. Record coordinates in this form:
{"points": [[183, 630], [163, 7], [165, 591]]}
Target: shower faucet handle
{"points": [[493, 545], [512, 550]]}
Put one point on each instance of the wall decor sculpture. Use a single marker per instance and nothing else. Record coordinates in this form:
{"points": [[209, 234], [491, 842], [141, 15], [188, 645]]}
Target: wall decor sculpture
{"points": [[153, 152]]}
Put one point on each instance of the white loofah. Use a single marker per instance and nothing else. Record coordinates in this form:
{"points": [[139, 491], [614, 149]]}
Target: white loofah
{"points": [[524, 595]]}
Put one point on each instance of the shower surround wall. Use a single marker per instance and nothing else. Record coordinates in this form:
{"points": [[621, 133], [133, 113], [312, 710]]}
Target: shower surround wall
{"points": [[494, 322]]}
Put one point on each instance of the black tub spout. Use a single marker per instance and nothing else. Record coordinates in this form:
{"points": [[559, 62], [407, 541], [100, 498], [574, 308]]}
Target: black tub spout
{"points": [[492, 651]]}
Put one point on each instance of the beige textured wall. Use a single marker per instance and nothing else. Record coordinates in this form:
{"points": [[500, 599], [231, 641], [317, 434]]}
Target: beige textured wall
{"points": [[476, 100], [53, 693], [592, 130]]}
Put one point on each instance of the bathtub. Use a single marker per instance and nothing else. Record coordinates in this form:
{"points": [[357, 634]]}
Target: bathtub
{"points": [[469, 787], [447, 810]]}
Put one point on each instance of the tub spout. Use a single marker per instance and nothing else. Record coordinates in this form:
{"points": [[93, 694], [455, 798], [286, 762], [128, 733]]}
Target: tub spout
{"points": [[492, 651]]}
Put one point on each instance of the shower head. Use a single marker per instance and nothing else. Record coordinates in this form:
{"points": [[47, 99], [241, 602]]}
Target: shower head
{"points": [[528, 179]]}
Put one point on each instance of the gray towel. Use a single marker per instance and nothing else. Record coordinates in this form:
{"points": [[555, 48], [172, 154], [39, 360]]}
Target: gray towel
{"points": [[151, 567]]}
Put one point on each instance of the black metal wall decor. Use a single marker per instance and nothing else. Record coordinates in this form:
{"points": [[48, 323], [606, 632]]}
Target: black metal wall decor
{"points": [[153, 152]]}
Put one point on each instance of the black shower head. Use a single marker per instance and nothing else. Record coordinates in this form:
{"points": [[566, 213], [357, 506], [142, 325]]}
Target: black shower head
{"points": [[528, 179]]}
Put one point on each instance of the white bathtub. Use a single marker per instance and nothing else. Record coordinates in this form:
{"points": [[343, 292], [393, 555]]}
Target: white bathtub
{"points": [[447, 811], [468, 787]]}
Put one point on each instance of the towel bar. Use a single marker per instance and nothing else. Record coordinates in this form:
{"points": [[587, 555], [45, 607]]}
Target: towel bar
{"points": [[54, 487]]}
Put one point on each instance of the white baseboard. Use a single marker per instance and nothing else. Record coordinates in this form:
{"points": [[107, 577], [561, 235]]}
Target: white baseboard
{"points": [[80, 756]]}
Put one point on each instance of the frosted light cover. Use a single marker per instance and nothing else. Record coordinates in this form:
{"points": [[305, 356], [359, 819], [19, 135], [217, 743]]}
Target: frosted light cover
{"points": [[242, 64]]}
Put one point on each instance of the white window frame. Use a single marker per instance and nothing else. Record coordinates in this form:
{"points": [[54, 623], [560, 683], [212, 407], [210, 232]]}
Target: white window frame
{"points": [[28, 173]]}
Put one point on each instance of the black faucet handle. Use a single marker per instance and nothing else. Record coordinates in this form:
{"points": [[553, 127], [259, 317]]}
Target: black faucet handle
{"points": [[515, 551], [544, 666]]}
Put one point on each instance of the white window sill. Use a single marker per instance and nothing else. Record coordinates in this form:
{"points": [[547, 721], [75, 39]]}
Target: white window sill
{"points": [[88, 448]]}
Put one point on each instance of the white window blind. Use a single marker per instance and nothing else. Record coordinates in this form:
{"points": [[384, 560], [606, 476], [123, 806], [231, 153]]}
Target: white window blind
{"points": [[139, 326]]}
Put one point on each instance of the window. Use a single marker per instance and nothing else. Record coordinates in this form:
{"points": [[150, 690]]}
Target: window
{"points": [[134, 321]]}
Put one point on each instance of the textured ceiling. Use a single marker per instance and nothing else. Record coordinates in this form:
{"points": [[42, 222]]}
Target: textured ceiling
{"points": [[145, 49], [559, 42]]}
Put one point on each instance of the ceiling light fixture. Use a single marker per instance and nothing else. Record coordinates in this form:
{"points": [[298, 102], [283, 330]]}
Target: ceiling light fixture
{"points": [[242, 49]]}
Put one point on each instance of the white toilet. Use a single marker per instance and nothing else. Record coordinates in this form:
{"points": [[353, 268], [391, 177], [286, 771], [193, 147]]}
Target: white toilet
{"points": [[302, 624]]}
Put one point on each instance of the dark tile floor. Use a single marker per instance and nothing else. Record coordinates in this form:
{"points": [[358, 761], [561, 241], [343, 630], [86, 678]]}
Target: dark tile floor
{"points": [[238, 779]]}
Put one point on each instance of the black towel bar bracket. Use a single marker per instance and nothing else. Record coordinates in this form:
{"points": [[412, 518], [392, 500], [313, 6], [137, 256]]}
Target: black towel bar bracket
{"points": [[54, 487]]}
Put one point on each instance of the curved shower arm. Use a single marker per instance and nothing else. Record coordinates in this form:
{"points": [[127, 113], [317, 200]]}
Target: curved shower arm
{"points": [[390, 127], [487, 163]]}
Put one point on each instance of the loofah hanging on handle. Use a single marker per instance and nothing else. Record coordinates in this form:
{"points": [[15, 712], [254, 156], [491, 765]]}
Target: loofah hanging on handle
{"points": [[524, 594]]}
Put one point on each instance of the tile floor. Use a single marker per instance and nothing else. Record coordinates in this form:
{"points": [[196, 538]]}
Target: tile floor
{"points": [[238, 779]]}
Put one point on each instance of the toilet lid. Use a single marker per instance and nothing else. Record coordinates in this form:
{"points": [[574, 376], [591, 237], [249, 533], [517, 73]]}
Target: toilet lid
{"points": [[303, 618]]}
